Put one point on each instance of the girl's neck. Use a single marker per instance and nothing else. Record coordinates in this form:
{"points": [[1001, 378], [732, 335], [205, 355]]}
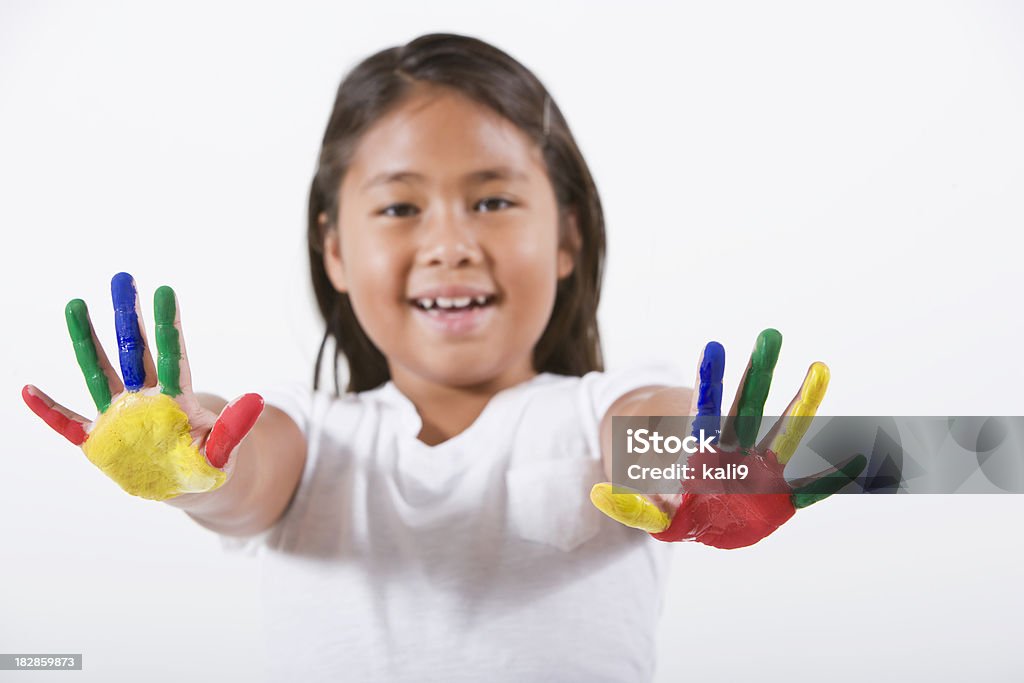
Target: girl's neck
{"points": [[447, 410]]}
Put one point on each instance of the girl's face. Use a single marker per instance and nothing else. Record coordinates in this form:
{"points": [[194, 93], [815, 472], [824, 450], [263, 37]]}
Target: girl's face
{"points": [[448, 243]]}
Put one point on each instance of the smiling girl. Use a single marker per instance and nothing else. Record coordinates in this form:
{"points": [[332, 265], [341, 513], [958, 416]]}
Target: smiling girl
{"points": [[433, 521]]}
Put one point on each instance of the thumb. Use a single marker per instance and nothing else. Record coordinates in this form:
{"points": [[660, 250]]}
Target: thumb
{"points": [[629, 507], [234, 422]]}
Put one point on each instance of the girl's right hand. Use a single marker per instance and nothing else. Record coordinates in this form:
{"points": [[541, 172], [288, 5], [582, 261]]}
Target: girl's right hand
{"points": [[151, 436]]}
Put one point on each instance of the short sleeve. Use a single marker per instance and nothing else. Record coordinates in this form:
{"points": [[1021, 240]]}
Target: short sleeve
{"points": [[599, 390], [296, 400]]}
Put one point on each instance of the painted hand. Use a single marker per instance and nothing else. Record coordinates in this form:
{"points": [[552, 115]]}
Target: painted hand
{"points": [[155, 441], [731, 516]]}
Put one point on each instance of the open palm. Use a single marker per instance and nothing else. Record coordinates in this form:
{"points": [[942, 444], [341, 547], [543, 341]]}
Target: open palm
{"points": [[151, 434], [743, 511]]}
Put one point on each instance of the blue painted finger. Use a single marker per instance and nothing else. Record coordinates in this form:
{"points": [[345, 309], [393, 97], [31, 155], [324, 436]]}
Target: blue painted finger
{"points": [[709, 391], [131, 347]]}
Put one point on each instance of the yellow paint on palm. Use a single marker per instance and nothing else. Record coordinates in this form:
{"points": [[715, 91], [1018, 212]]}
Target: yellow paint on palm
{"points": [[143, 443], [798, 420], [630, 509]]}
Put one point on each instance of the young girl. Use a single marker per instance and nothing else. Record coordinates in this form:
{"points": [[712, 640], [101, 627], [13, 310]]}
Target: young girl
{"points": [[433, 522]]}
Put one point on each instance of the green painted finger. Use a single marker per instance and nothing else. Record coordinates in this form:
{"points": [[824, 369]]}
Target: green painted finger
{"points": [[756, 385], [168, 342], [821, 488], [77, 316]]}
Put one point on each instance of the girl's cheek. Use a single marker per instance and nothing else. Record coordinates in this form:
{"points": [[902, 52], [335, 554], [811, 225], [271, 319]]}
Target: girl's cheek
{"points": [[382, 261], [536, 263]]}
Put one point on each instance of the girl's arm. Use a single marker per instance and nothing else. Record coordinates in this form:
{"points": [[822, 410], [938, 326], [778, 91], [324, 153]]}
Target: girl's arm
{"points": [[653, 400], [268, 466]]}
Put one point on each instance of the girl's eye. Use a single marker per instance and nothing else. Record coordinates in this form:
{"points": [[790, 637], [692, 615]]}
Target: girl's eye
{"points": [[489, 205], [490, 202], [400, 210]]}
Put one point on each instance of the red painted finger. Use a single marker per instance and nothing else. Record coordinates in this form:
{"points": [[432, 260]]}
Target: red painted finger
{"points": [[68, 424], [235, 421]]}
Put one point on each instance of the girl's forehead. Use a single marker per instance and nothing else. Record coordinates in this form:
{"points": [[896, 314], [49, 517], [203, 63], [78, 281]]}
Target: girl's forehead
{"points": [[440, 133]]}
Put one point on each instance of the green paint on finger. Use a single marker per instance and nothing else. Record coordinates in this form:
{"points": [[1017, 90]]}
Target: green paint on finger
{"points": [[168, 342], [822, 488], [756, 385], [77, 316]]}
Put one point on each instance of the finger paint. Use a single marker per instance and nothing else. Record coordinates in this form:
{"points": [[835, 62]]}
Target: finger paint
{"points": [[235, 421], [77, 316], [798, 419], [71, 430], [728, 514], [168, 342], [825, 486], [143, 442], [130, 344], [728, 520], [709, 391], [631, 509], [756, 385]]}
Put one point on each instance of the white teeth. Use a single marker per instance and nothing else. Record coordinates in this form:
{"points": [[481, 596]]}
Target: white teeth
{"points": [[451, 302]]}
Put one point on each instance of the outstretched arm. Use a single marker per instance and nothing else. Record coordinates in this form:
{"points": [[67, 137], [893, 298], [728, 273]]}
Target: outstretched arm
{"points": [[268, 467], [652, 400]]}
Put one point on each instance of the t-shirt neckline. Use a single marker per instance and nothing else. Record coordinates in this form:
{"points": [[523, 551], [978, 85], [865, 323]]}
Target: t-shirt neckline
{"points": [[411, 423]]}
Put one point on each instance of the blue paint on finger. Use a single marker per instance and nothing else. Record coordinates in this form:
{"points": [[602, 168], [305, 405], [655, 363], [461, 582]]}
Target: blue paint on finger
{"points": [[130, 344], [709, 392]]}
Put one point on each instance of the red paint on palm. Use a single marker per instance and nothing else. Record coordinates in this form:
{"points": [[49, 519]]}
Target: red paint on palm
{"points": [[728, 521], [731, 513]]}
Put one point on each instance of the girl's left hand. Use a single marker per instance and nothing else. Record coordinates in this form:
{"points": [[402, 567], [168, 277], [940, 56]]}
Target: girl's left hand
{"points": [[738, 517]]}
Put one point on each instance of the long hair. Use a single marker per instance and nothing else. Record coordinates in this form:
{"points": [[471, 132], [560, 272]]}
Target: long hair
{"points": [[570, 344]]}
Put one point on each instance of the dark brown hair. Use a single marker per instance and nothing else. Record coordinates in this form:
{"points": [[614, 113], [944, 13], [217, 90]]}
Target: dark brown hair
{"points": [[570, 344]]}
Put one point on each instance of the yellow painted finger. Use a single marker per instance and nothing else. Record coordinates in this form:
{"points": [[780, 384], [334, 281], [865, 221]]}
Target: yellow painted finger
{"points": [[800, 414], [631, 509]]}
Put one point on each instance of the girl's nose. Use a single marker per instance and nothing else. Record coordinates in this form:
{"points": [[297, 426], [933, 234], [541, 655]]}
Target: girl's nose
{"points": [[449, 241]]}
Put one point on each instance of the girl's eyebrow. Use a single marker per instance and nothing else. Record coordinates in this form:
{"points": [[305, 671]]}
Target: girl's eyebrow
{"points": [[473, 178]]}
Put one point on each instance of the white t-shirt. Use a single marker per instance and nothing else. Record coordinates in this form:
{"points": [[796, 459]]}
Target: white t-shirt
{"points": [[479, 559]]}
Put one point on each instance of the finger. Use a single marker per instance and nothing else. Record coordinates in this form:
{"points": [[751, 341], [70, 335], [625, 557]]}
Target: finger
{"points": [[728, 439], [67, 423], [235, 421], [171, 361], [810, 490], [100, 377], [784, 437], [137, 367], [632, 509], [706, 404], [748, 407]]}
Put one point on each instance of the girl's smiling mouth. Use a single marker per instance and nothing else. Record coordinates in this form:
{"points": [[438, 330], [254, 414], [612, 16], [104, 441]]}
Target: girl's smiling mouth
{"points": [[453, 309]]}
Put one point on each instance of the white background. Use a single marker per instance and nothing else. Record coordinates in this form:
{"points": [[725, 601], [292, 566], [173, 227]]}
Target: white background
{"points": [[850, 174]]}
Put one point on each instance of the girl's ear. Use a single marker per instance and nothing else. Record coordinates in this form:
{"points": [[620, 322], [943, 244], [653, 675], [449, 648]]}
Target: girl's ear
{"points": [[332, 255], [570, 246]]}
